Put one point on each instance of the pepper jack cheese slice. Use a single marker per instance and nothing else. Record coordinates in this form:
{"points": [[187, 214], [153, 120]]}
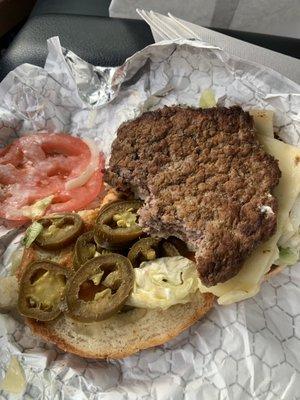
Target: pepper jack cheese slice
{"points": [[247, 282]]}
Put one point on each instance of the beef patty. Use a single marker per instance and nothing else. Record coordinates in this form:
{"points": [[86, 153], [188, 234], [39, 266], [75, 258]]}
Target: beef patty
{"points": [[204, 178]]}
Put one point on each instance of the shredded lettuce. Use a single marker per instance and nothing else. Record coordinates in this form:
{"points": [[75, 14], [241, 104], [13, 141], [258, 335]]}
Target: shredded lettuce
{"points": [[163, 282], [37, 209], [287, 256], [289, 242], [32, 233], [207, 99]]}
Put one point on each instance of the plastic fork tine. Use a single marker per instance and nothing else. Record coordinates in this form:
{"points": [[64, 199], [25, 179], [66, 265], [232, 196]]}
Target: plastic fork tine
{"points": [[153, 25], [190, 33], [169, 27], [177, 30], [166, 26], [164, 23], [159, 26]]}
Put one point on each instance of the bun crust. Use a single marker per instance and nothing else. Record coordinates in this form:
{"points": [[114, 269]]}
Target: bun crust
{"points": [[123, 334]]}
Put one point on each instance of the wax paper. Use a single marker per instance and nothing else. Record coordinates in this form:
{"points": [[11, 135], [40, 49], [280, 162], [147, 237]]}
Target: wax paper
{"points": [[248, 350]]}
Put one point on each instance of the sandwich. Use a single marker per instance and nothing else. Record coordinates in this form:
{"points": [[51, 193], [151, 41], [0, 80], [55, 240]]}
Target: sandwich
{"points": [[99, 315], [199, 205]]}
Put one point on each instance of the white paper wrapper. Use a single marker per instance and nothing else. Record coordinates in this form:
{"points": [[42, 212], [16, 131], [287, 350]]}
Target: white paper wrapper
{"points": [[244, 351]]}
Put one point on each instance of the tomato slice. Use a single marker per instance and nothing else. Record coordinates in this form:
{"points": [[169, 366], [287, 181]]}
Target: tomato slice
{"points": [[36, 166], [78, 198], [11, 154]]}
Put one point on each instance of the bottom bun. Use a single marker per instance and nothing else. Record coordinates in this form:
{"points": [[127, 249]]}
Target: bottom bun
{"points": [[125, 333]]}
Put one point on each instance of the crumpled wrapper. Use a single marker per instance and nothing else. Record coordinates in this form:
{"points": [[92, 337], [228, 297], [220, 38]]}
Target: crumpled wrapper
{"points": [[248, 350]]}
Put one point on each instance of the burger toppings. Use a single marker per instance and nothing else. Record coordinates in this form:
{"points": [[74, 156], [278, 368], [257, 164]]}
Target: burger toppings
{"points": [[85, 249], [164, 282], [150, 248], [46, 173], [109, 279], [97, 282], [117, 224], [59, 230], [42, 290]]}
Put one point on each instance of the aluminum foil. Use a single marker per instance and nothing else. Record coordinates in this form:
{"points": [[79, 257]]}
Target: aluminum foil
{"points": [[244, 351]]}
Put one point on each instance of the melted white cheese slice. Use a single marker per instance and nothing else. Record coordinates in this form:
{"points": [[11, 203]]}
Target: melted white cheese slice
{"points": [[263, 121], [247, 282]]}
